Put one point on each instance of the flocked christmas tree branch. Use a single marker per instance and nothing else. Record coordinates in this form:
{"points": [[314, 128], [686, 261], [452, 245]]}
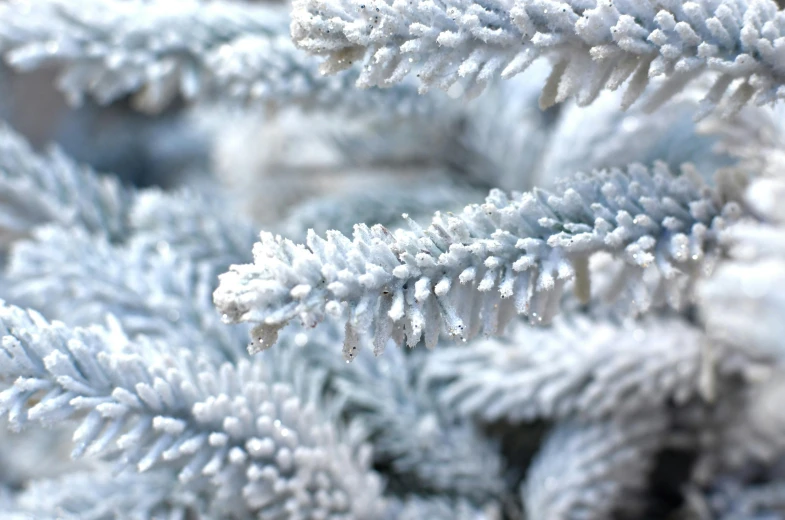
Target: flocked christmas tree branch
{"points": [[593, 469], [248, 428], [158, 283], [73, 277], [578, 368], [102, 495], [52, 187], [471, 273], [594, 44], [158, 50]]}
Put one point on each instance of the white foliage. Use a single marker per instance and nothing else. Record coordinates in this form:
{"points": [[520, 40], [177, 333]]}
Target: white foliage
{"points": [[594, 44], [577, 368], [100, 495], [744, 301], [506, 133], [158, 50], [471, 273], [297, 157], [755, 502], [197, 224], [426, 447], [588, 471], [417, 508], [150, 406], [70, 276], [36, 189], [602, 136]]}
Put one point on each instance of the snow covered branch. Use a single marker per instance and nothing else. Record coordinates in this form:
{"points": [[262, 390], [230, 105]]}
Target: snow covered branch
{"points": [[242, 426], [157, 50], [471, 273], [594, 45]]}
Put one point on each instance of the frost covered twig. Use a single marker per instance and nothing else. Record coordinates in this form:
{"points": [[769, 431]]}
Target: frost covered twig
{"points": [[576, 368], [427, 450], [100, 495], [158, 50], [243, 426], [78, 279], [472, 272], [40, 188], [594, 44], [592, 470]]}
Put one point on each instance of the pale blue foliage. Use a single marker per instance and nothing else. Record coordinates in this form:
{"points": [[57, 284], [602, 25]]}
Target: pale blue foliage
{"points": [[160, 50], [594, 469], [578, 368], [473, 272], [738, 502], [146, 405], [162, 289], [594, 45], [669, 284], [744, 302], [191, 223], [100, 495], [70, 276], [505, 143], [426, 448], [35, 189], [419, 199], [417, 508], [667, 135]]}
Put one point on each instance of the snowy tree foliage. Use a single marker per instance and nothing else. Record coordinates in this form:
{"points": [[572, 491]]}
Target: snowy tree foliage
{"points": [[159, 50], [594, 44], [181, 353], [473, 272]]}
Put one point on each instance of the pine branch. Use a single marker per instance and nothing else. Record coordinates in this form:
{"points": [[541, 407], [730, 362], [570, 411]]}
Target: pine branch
{"points": [[592, 470], [744, 430], [51, 188], [321, 155], [71, 276], [736, 502], [471, 273], [243, 426], [574, 369], [594, 45], [100, 495], [193, 224], [426, 450], [40, 188], [158, 50], [505, 134], [80, 279], [602, 136]]}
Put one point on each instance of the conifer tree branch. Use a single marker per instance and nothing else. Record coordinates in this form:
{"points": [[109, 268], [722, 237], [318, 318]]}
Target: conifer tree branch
{"points": [[428, 450], [576, 368], [73, 277], [743, 302], [592, 470], [51, 187], [471, 273], [243, 426], [101, 495], [594, 44], [158, 50]]}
